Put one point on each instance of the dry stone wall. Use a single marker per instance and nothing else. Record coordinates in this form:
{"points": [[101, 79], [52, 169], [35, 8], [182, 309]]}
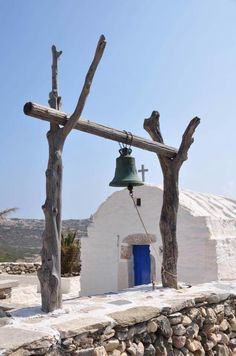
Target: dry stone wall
{"points": [[207, 328], [19, 268]]}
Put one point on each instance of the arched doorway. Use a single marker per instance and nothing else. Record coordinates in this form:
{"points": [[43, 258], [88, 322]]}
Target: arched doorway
{"points": [[136, 264]]}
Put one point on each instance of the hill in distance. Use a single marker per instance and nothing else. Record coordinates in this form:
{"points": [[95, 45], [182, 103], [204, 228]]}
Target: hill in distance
{"points": [[21, 239]]}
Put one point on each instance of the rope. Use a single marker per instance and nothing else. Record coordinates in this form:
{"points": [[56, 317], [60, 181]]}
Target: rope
{"points": [[144, 227]]}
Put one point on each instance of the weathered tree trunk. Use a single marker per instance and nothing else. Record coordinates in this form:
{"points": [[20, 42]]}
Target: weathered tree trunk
{"points": [[50, 272], [168, 219]]}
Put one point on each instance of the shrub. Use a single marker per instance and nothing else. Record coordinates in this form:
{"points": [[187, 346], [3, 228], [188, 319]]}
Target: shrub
{"points": [[70, 254]]}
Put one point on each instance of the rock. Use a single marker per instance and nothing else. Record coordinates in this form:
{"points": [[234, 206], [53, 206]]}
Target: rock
{"points": [[140, 349], [137, 339], [215, 338], [228, 311], [152, 326], [140, 328], [192, 330], [111, 345], [233, 324], [193, 313], [147, 340], [114, 353], [221, 350], [132, 350], [108, 333], [14, 338], [122, 346], [219, 308], [232, 346], [84, 352], [209, 329], [150, 351], [164, 326], [20, 352], [128, 343], [208, 345], [211, 315], [177, 305], [186, 320], [175, 318], [203, 312], [75, 327], [100, 351], [220, 317], [200, 352], [160, 347], [71, 348], [77, 339], [178, 353], [178, 341], [135, 315], [131, 332], [179, 330], [224, 325], [121, 335], [224, 339], [86, 342], [193, 345], [67, 342], [217, 298]]}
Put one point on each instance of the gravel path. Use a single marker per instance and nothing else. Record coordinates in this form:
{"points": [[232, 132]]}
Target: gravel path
{"points": [[24, 280]]}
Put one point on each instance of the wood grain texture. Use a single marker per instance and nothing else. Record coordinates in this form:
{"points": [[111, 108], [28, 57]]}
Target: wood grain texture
{"points": [[61, 118], [168, 219]]}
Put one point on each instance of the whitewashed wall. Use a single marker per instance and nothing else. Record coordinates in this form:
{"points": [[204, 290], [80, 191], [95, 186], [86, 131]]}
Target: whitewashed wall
{"points": [[102, 268]]}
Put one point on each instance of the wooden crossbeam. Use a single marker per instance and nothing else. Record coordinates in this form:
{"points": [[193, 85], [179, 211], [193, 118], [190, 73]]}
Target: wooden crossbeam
{"points": [[58, 117]]}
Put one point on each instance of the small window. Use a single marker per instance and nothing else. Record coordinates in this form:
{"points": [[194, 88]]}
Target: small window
{"points": [[138, 201]]}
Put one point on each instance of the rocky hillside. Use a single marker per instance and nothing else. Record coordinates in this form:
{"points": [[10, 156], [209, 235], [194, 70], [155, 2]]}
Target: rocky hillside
{"points": [[21, 238]]}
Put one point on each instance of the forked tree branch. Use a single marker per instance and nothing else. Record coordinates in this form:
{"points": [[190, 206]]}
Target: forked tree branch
{"points": [[187, 140], [152, 126], [86, 88]]}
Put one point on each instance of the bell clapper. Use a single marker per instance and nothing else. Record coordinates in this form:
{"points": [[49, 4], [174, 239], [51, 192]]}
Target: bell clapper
{"points": [[130, 189]]}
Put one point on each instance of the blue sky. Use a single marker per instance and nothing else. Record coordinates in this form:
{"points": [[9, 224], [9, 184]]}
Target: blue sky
{"points": [[177, 57]]}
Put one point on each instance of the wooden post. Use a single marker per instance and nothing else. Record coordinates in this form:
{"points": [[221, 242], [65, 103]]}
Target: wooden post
{"points": [[50, 272], [168, 220]]}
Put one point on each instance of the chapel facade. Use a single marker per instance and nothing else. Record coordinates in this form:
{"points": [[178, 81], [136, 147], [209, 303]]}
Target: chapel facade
{"points": [[118, 253]]}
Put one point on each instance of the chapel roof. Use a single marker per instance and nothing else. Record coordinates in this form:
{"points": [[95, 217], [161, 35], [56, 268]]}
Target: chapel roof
{"points": [[202, 204]]}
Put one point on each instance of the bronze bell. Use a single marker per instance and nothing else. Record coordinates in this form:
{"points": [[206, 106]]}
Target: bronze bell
{"points": [[126, 174]]}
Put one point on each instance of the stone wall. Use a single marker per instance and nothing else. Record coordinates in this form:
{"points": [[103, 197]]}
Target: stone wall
{"points": [[19, 268], [208, 328]]}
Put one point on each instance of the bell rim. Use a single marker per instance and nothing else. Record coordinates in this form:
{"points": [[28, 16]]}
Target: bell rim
{"points": [[125, 184]]}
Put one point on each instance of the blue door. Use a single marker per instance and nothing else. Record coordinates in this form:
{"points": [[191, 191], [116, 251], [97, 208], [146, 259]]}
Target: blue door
{"points": [[142, 264]]}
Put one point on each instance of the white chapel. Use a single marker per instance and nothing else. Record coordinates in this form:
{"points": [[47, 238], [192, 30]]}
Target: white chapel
{"points": [[117, 252]]}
